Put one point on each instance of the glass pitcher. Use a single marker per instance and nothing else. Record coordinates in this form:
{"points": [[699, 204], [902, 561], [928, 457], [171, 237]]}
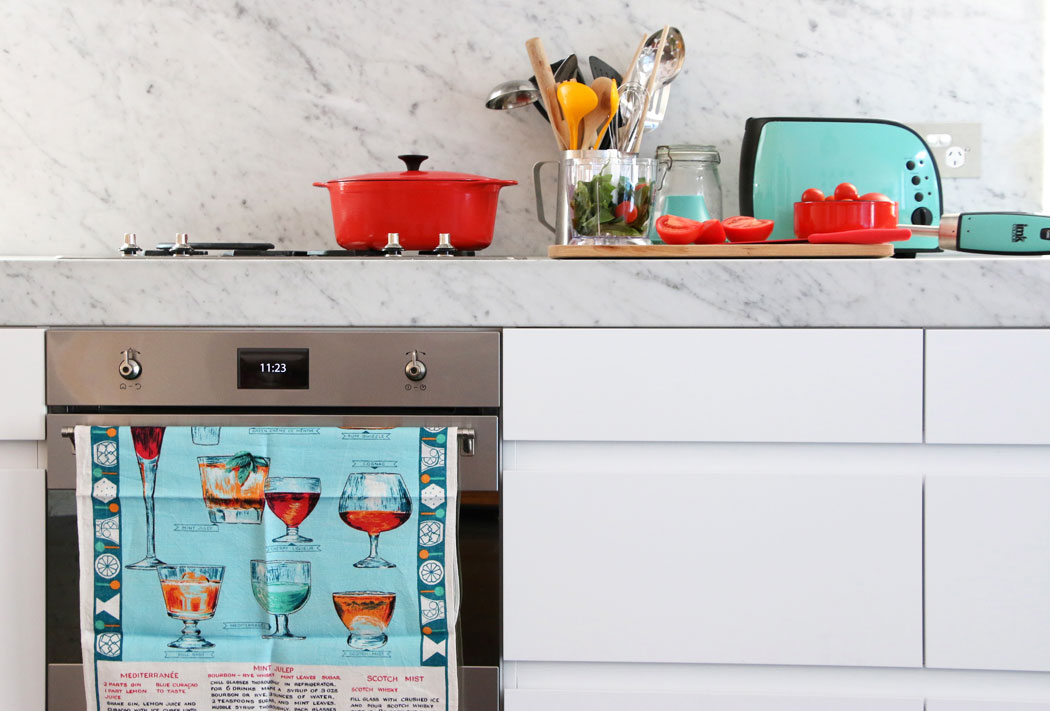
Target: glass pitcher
{"points": [[687, 184]]}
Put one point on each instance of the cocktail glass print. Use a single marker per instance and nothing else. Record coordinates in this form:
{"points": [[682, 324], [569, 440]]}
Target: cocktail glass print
{"points": [[374, 502], [205, 436], [366, 616], [191, 593], [292, 498], [147, 442], [281, 587], [233, 487]]}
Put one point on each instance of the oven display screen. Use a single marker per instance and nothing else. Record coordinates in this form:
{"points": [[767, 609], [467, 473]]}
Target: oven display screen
{"points": [[273, 368]]}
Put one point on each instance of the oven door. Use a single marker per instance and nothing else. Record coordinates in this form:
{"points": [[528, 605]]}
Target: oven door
{"points": [[479, 545]]}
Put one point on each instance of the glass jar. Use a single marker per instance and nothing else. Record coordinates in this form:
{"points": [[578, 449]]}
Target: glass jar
{"points": [[687, 184]]}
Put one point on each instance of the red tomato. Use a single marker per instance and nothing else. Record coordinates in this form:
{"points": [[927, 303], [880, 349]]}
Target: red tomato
{"points": [[846, 191], [711, 232], [747, 229], [677, 230], [627, 211], [813, 195], [829, 197], [877, 197]]}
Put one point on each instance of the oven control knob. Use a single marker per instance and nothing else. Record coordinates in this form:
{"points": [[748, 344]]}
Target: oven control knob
{"points": [[415, 369], [129, 367]]}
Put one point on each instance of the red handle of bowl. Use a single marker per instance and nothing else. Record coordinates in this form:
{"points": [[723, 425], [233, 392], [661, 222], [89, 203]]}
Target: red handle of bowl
{"points": [[873, 235]]}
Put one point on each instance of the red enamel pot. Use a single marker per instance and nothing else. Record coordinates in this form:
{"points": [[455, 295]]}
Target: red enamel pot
{"points": [[418, 205]]}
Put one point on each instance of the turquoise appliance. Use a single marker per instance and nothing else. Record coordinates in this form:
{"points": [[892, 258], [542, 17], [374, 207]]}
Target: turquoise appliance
{"points": [[781, 157], [992, 232]]}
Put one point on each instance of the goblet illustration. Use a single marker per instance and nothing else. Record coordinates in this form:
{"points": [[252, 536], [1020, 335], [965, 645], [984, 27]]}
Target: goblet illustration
{"points": [[191, 593], [281, 587], [374, 502], [233, 487], [292, 499], [147, 451], [365, 615]]}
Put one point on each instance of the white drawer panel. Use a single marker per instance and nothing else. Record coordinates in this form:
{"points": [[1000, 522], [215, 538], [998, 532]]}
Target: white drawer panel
{"points": [[544, 700], [985, 705], [22, 665], [988, 571], [987, 386], [22, 383], [728, 385], [652, 566]]}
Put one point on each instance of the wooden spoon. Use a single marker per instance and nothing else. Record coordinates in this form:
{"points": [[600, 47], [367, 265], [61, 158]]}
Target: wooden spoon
{"points": [[545, 80], [577, 100], [608, 103]]}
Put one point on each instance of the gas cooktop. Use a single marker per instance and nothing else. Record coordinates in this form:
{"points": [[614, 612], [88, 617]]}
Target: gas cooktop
{"points": [[182, 247]]}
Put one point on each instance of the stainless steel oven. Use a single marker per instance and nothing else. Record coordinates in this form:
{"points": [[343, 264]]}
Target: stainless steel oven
{"points": [[358, 378]]}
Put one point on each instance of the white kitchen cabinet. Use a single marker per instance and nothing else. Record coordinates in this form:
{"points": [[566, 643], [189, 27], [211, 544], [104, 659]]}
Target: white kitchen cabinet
{"points": [[709, 385], [664, 565], [985, 705], [551, 700], [22, 384], [22, 661], [987, 386], [988, 571]]}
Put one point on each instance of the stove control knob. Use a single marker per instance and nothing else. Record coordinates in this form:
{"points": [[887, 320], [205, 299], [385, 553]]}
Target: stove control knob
{"points": [[130, 368], [415, 369]]}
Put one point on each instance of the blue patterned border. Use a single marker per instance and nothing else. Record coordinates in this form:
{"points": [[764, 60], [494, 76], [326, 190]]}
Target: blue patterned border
{"points": [[108, 563]]}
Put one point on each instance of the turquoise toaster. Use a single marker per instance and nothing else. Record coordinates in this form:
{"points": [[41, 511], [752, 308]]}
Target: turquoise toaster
{"points": [[782, 157]]}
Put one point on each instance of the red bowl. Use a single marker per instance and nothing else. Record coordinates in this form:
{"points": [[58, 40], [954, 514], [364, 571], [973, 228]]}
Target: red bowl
{"points": [[840, 215]]}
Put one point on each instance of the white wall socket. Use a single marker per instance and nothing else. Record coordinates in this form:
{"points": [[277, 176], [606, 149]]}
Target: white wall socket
{"points": [[955, 146]]}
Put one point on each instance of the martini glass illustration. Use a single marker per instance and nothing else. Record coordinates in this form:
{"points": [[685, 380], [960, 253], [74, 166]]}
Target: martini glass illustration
{"points": [[281, 587], [191, 593], [366, 616], [147, 450], [292, 499], [374, 502]]}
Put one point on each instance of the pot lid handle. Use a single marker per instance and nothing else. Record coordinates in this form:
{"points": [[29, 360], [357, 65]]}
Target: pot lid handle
{"points": [[412, 162]]}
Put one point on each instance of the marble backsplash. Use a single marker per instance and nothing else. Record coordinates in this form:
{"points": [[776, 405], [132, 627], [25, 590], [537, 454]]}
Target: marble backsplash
{"points": [[214, 118]]}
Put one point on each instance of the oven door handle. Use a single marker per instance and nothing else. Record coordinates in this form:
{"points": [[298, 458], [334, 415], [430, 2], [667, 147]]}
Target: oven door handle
{"points": [[465, 436]]}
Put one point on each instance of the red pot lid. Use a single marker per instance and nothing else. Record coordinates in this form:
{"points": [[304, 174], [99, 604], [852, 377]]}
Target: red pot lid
{"points": [[412, 162]]}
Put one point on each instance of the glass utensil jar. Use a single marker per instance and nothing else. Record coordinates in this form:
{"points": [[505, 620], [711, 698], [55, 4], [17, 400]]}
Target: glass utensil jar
{"points": [[687, 184]]}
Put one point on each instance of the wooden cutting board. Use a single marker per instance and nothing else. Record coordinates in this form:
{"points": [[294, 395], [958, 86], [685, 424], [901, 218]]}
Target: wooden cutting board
{"points": [[800, 250]]}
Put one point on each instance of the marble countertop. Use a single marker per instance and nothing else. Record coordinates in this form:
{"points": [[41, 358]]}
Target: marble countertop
{"points": [[947, 290]]}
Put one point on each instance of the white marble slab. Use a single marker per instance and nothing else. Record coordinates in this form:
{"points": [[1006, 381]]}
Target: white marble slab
{"points": [[924, 292], [215, 118]]}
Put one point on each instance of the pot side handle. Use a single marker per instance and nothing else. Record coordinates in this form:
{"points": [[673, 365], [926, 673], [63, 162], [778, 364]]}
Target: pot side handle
{"points": [[539, 193], [320, 185]]}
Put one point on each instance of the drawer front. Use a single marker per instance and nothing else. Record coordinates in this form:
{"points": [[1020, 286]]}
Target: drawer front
{"points": [[741, 569], [987, 386], [22, 384], [552, 700], [985, 705], [720, 385], [988, 572]]}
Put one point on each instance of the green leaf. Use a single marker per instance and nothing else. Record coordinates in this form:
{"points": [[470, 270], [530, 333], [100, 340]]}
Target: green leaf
{"points": [[245, 464]]}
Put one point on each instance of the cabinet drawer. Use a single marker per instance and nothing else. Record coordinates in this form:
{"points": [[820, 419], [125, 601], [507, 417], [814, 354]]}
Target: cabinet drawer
{"points": [[988, 572], [22, 384], [551, 700], [740, 569], [714, 385], [987, 386]]}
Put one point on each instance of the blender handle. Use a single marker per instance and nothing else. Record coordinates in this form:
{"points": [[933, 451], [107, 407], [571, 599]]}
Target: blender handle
{"points": [[540, 213]]}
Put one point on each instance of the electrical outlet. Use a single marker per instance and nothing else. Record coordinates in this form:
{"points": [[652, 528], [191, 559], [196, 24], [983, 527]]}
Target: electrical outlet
{"points": [[955, 146]]}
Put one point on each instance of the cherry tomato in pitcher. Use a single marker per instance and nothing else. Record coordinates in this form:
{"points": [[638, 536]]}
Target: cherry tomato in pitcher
{"points": [[627, 211]]}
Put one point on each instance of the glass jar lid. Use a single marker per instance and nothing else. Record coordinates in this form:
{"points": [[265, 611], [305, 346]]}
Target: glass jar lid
{"points": [[707, 154]]}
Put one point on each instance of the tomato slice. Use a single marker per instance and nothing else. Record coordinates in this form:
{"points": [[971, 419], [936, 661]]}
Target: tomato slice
{"points": [[711, 232], [747, 229], [677, 230]]}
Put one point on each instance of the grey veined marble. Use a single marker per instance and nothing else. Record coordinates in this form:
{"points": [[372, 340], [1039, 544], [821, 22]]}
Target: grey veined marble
{"points": [[215, 118], [924, 292]]}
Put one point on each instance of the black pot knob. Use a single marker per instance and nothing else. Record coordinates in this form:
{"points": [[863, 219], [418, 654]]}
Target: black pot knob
{"points": [[412, 162]]}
